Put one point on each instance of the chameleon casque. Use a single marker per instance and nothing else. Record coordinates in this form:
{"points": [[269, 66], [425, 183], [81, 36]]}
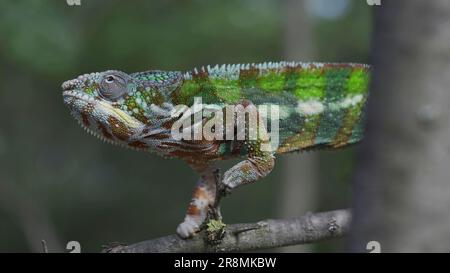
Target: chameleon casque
{"points": [[321, 106]]}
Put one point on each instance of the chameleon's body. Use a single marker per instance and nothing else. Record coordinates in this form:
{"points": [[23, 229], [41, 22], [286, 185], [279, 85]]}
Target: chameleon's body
{"points": [[321, 105]]}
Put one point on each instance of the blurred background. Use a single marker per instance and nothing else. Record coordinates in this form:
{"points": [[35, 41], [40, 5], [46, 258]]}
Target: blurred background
{"points": [[58, 183]]}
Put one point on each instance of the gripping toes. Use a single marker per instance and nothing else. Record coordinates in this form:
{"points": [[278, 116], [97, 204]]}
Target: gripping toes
{"points": [[188, 228], [242, 173], [247, 171], [202, 198]]}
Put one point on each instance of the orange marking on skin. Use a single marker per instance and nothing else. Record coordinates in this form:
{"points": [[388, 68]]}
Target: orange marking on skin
{"points": [[293, 69], [346, 130], [248, 74], [138, 144], [86, 113], [246, 168], [193, 210], [263, 166], [170, 144], [104, 131], [168, 124], [200, 75], [159, 136], [193, 153], [199, 193], [85, 119], [302, 140], [118, 129]]}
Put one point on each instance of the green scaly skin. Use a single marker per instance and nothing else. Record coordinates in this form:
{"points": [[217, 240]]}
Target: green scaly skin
{"points": [[321, 106]]}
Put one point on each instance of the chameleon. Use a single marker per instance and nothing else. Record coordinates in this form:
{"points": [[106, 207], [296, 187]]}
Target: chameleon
{"points": [[320, 105]]}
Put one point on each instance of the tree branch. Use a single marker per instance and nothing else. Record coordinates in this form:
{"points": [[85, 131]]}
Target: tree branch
{"points": [[244, 237]]}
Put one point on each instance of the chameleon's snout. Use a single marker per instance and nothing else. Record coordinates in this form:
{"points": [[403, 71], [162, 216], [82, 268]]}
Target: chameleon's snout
{"points": [[73, 94], [70, 85], [80, 81]]}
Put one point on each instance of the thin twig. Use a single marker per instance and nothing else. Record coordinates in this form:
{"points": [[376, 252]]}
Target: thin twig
{"points": [[247, 237], [44, 246]]}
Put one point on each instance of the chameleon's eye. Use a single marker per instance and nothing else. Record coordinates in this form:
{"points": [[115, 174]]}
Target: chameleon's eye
{"points": [[109, 79], [113, 86]]}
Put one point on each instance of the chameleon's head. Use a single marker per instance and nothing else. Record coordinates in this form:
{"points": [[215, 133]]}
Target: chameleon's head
{"points": [[106, 104]]}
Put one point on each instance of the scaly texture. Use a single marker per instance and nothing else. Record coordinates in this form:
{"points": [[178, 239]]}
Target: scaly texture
{"points": [[320, 105]]}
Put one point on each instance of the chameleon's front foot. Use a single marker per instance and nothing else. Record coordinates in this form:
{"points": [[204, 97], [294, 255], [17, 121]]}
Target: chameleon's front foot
{"points": [[247, 171]]}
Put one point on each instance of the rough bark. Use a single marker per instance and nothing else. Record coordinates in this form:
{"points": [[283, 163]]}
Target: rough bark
{"points": [[247, 237], [402, 189]]}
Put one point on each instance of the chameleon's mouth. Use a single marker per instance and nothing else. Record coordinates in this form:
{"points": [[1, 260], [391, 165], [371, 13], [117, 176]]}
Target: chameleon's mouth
{"points": [[78, 102], [71, 91], [91, 111]]}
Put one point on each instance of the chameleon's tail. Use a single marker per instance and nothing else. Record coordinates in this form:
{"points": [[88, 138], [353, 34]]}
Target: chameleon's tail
{"points": [[331, 112]]}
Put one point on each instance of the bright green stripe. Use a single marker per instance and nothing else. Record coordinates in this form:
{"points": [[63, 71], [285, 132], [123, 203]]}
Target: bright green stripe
{"points": [[272, 81], [358, 82], [90, 90], [227, 90], [310, 84], [188, 90], [197, 88], [207, 91]]}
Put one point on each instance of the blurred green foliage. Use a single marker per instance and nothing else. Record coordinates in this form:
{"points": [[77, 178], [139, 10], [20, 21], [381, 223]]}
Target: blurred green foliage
{"points": [[97, 193]]}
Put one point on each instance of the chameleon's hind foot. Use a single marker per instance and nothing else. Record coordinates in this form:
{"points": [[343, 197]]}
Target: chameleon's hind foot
{"points": [[188, 228], [202, 198]]}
